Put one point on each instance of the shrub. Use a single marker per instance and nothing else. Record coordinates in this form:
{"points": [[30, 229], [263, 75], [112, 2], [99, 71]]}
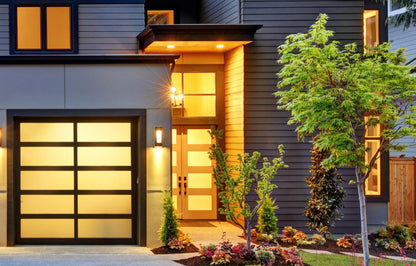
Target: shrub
{"points": [[288, 234], [348, 241], [380, 242], [240, 249], [220, 258], [267, 221], [318, 240], [267, 238], [226, 246], [207, 251], [265, 256], [169, 228], [411, 244], [393, 245], [300, 237], [411, 230], [175, 243], [185, 238], [394, 231], [344, 242], [292, 256], [327, 194]]}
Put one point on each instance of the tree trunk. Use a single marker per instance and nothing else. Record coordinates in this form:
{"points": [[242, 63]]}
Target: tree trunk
{"points": [[248, 236], [363, 217]]}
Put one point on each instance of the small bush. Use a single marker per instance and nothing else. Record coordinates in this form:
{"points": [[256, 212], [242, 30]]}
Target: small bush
{"points": [[267, 221], [411, 230], [175, 243], [300, 237], [240, 249], [220, 258], [348, 241], [207, 251], [380, 242], [265, 256], [394, 231], [393, 245], [185, 238], [288, 234], [292, 256], [169, 228], [411, 244], [318, 240], [269, 238]]}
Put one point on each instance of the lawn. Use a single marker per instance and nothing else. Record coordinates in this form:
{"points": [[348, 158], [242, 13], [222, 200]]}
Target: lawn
{"points": [[341, 260]]}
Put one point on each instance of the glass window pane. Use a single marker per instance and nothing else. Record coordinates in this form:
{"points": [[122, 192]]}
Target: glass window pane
{"points": [[371, 28], [106, 132], [174, 180], [47, 228], [104, 228], [198, 136], [199, 105], [177, 81], [47, 156], [175, 201], [46, 180], [373, 183], [200, 203], [102, 180], [174, 158], [104, 156], [200, 83], [58, 28], [200, 180], [159, 17], [28, 28], [198, 158], [174, 136], [103, 204], [46, 132], [47, 204]]}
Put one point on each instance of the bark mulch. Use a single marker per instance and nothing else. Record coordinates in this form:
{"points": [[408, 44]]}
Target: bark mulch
{"points": [[166, 250]]}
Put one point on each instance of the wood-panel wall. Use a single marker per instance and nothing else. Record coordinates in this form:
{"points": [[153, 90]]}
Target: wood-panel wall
{"points": [[110, 28]]}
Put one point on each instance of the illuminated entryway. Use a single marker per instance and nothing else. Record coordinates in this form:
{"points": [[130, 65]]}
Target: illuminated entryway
{"points": [[192, 185], [75, 180]]}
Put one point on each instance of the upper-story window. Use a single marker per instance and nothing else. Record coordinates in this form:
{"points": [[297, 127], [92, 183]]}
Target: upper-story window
{"points": [[159, 17], [371, 28], [43, 28]]}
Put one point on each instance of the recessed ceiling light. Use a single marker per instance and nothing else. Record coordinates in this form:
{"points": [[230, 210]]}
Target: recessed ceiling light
{"points": [[171, 46], [219, 46]]}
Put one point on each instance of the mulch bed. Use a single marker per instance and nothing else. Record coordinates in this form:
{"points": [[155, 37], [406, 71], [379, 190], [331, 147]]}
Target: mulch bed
{"points": [[197, 261], [167, 250]]}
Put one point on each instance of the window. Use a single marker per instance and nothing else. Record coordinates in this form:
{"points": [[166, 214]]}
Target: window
{"points": [[159, 17], [43, 28], [395, 8], [199, 94], [372, 143], [371, 28]]}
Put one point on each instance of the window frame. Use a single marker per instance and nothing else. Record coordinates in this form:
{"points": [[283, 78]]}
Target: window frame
{"points": [[392, 12], [73, 10], [170, 15]]}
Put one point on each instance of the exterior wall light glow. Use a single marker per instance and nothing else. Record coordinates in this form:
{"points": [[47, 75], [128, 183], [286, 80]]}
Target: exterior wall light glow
{"points": [[175, 97], [220, 46], [171, 46], [158, 136]]}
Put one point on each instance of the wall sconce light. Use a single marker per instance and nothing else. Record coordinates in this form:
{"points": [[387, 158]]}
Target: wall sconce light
{"points": [[158, 137], [175, 97]]}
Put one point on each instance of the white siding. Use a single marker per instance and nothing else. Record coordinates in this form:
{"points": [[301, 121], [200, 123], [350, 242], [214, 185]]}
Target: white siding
{"points": [[110, 28], [4, 29]]}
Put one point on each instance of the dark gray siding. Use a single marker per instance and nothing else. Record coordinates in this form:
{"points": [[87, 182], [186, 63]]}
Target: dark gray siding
{"points": [[110, 28], [220, 11], [265, 127], [4, 29]]}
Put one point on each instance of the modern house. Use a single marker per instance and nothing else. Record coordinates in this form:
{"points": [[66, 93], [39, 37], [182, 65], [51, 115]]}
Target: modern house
{"points": [[92, 132]]}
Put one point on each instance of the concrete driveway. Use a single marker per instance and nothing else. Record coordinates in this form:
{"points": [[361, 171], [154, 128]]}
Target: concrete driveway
{"points": [[84, 255]]}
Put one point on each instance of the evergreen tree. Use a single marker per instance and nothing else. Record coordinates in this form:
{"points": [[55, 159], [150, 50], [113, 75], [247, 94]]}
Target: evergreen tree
{"points": [[267, 222], [169, 228]]}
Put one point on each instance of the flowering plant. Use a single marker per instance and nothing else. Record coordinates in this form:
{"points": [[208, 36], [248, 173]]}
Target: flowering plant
{"points": [[265, 256], [292, 256], [220, 257], [207, 251], [175, 243], [318, 239]]}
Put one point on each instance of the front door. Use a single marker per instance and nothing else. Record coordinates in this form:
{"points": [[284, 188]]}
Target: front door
{"points": [[193, 189]]}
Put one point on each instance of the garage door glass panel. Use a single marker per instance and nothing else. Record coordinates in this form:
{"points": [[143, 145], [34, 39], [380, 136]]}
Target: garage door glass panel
{"points": [[46, 132], [200, 203], [47, 156], [47, 204], [104, 180], [104, 156], [47, 180], [47, 228], [104, 228], [104, 204], [104, 132]]}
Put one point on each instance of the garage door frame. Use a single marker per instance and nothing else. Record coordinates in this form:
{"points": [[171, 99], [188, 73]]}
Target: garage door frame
{"points": [[139, 197]]}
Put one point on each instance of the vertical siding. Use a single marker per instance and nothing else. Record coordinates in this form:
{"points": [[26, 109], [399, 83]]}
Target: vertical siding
{"points": [[265, 127], [234, 102], [4, 29], [404, 39], [110, 29], [220, 11]]}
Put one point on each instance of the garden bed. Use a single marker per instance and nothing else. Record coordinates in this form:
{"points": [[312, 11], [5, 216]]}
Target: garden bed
{"points": [[166, 250], [197, 261]]}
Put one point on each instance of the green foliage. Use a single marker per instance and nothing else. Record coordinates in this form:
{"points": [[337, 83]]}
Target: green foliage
{"points": [[234, 182], [267, 221], [395, 232], [324, 205], [169, 228], [407, 18]]}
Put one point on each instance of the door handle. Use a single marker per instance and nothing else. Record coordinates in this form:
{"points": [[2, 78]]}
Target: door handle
{"points": [[179, 185], [184, 185]]}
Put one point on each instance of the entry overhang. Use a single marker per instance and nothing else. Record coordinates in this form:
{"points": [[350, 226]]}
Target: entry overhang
{"points": [[195, 37]]}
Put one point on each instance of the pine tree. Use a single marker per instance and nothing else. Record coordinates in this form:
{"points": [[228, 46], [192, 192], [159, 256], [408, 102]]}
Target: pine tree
{"points": [[267, 222], [169, 228]]}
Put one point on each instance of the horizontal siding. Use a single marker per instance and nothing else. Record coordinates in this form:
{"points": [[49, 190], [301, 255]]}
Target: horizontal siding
{"points": [[4, 30], [219, 11], [264, 126], [110, 28]]}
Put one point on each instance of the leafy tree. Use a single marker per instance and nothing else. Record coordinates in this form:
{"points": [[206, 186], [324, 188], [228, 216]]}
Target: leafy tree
{"points": [[169, 228], [327, 194], [267, 221], [329, 89], [234, 183]]}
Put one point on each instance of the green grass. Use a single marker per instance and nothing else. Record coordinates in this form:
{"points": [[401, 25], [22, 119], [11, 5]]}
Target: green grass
{"points": [[344, 260]]}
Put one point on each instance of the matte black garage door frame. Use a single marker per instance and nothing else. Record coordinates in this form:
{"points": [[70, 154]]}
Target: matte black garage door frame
{"points": [[136, 117]]}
